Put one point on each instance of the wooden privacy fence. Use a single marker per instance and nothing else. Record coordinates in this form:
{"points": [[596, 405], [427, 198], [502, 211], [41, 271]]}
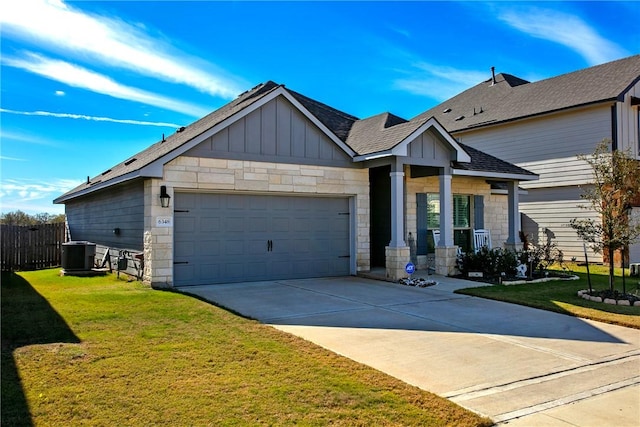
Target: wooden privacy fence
{"points": [[31, 247]]}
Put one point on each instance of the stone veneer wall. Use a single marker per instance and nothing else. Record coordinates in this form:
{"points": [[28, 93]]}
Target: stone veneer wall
{"points": [[204, 174], [495, 205]]}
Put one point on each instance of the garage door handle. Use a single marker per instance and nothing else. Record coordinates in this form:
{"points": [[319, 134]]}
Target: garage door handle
{"points": [[181, 262], [269, 245]]}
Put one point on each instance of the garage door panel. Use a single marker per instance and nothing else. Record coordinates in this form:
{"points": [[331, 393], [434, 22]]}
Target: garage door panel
{"points": [[224, 238], [280, 224], [235, 224], [208, 248], [210, 223], [233, 247], [209, 269], [257, 224], [184, 271], [186, 224]]}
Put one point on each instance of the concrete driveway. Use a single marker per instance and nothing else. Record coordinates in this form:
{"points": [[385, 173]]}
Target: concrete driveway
{"points": [[517, 365]]}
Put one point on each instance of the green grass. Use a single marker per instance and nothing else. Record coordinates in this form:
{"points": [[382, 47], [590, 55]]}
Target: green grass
{"points": [[561, 296], [102, 351]]}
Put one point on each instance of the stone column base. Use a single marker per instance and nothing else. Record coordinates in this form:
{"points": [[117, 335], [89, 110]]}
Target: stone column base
{"points": [[513, 246], [446, 257], [396, 260]]}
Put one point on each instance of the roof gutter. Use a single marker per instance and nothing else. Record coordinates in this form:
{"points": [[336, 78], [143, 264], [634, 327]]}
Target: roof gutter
{"points": [[101, 185], [499, 175], [543, 113]]}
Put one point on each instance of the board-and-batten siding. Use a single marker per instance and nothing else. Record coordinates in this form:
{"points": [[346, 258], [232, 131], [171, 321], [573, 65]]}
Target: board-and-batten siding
{"points": [[547, 145], [276, 132], [628, 118], [429, 150], [94, 217]]}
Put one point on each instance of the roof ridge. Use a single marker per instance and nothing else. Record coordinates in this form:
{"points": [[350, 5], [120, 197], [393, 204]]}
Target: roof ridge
{"points": [[590, 69], [323, 105]]}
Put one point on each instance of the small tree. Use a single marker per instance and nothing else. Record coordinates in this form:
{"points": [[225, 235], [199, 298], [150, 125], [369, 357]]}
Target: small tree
{"points": [[616, 183]]}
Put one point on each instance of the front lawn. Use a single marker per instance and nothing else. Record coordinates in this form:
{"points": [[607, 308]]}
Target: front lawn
{"points": [[561, 296], [102, 351]]}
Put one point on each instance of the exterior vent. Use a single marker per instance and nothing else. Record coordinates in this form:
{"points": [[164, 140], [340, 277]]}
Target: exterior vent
{"points": [[459, 118], [447, 110], [128, 162], [78, 255]]}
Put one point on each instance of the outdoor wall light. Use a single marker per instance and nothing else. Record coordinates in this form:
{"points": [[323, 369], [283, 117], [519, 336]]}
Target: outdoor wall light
{"points": [[164, 196]]}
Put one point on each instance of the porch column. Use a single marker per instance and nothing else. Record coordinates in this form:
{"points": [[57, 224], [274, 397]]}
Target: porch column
{"points": [[446, 252], [446, 211], [397, 254], [397, 210], [513, 240]]}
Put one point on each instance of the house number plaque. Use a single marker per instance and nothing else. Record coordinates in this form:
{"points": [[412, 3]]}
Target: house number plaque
{"points": [[164, 221]]}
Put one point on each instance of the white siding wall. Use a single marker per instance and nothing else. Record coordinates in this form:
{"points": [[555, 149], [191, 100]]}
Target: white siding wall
{"points": [[628, 122], [549, 217], [549, 146]]}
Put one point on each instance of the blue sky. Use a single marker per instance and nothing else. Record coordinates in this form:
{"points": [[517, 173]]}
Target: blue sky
{"points": [[84, 85]]}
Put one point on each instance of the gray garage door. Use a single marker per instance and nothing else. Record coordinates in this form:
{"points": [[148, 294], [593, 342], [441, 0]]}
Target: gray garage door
{"points": [[225, 238]]}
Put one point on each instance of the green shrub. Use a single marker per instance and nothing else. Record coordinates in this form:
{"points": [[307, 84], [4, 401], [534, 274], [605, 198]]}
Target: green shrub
{"points": [[491, 262]]}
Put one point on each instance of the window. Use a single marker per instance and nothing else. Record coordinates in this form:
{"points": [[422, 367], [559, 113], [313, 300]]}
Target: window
{"points": [[461, 220]]}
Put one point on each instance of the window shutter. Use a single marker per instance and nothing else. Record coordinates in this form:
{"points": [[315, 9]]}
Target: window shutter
{"points": [[478, 212], [421, 242]]}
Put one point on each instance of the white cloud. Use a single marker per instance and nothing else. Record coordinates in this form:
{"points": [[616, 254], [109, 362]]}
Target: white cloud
{"points": [[23, 137], [13, 159], [112, 42], [60, 93], [33, 196], [437, 82], [77, 76], [565, 29], [92, 118]]}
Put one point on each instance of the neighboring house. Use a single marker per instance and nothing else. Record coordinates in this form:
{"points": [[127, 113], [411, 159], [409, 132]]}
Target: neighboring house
{"points": [[275, 185], [542, 127]]}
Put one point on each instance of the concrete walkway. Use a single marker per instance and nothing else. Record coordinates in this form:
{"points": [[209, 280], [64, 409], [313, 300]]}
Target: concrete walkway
{"points": [[517, 365]]}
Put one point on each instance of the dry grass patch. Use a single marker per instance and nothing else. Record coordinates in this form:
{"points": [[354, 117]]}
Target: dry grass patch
{"points": [[100, 351]]}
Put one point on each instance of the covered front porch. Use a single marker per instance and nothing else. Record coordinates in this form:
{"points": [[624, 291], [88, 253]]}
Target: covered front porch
{"points": [[421, 179], [409, 201]]}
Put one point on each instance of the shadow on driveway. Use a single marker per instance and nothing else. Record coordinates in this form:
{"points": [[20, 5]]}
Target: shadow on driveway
{"points": [[353, 302]]}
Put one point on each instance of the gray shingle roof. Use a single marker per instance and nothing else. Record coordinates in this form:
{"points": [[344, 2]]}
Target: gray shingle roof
{"points": [[337, 121], [483, 162], [375, 134], [172, 142], [513, 98], [380, 133]]}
